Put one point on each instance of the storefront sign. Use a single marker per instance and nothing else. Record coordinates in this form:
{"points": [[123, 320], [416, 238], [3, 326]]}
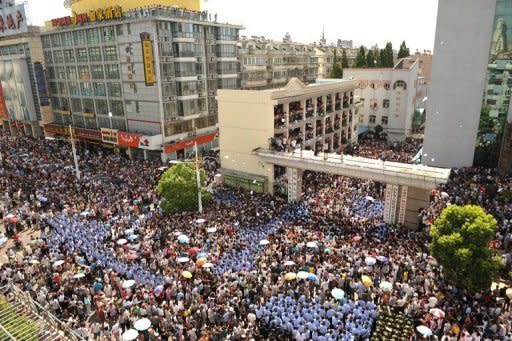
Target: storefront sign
{"points": [[3, 107], [13, 20], [189, 143], [87, 134], [147, 57], [56, 129], [128, 140], [109, 135], [100, 14], [403, 205], [41, 84]]}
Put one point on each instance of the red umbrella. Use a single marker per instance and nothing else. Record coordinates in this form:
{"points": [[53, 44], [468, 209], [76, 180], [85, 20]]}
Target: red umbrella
{"points": [[193, 251], [132, 256], [356, 239], [11, 219]]}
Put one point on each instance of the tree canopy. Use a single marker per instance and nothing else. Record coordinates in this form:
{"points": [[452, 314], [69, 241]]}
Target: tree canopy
{"points": [[404, 51], [460, 243], [386, 56], [370, 59], [361, 57], [344, 59], [178, 188], [337, 69]]}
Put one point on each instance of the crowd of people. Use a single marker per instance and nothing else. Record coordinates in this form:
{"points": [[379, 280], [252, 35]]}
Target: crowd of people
{"points": [[251, 267]]}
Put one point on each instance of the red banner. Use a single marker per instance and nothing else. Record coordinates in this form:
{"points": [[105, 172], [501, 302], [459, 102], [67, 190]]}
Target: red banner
{"points": [[190, 143], [128, 140], [3, 107]]}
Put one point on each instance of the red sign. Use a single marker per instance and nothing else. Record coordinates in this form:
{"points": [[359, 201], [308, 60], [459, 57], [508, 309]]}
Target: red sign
{"points": [[128, 140], [3, 107], [190, 143]]}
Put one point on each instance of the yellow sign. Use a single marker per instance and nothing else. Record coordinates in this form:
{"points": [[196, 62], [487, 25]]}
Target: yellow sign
{"points": [[100, 14], [109, 135], [147, 57], [82, 6]]}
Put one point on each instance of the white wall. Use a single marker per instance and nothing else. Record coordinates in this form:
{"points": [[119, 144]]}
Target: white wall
{"points": [[463, 35]]}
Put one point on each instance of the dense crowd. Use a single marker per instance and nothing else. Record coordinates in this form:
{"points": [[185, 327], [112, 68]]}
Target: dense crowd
{"points": [[108, 261], [397, 151]]}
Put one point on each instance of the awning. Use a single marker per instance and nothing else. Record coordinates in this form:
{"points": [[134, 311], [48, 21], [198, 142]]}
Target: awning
{"points": [[189, 143], [362, 130], [418, 117]]}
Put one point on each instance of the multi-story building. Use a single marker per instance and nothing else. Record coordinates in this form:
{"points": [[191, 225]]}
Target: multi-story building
{"points": [[425, 59], [24, 101], [141, 79], [325, 55], [321, 117], [271, 64], [468, 117], [389, 96]]}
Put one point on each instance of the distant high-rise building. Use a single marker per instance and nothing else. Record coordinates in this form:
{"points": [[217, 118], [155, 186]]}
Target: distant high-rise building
{"points": [[323, 41], [469, 97], [346, 44]]}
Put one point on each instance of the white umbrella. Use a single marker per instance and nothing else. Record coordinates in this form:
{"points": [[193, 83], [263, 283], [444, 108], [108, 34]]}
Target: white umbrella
{"points": [[34, 261], [386, 286], [370, 261], [251, 317], [58, 263], [85, 213], [432, 301], [337, 293], [211, 230], [289, 263], [369, 198], [79, 275], [207, 265], [178, 233], [183, 259], [264, 242], [509, 293], [444, 195], [200, 221], [312, 245], [303, 275], [142, 324], [183, 239], [122, 241], [128, 284], [130, 334], [424, 330]]}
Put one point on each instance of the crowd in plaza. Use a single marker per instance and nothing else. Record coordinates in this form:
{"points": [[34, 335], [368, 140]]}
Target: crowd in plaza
{"points": [[111, 265]]}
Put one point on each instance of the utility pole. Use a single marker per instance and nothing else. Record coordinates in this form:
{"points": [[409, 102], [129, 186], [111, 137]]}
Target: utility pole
{"points": [[198, 178], [74, 153]]}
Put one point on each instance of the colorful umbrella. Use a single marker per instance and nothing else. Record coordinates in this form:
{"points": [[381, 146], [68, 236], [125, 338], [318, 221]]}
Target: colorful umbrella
{"points": [[128, 283], [289, 263], [183, 239], [370, 261], [356, 239], [313, 277], [122, 241], [367, 281], [337, 293], [201, 262], [211, 230], [264, 242], [79, 275], [132, 256], [303, 275], [290, 276], [186, 274], [437, 313], [312, 245], [207, 265], [130, 334], [386, 286], [424, 330], [183, 260], [193, 251], [58, 263]]}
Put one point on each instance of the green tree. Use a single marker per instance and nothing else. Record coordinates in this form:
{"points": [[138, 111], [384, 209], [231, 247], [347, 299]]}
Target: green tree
{"points": [[370, 59], [376, 54], [344, 59], [361, 57], [337, 70], [178, 188], [378, 130], [460, 243], [404, 51], [386, 56]]}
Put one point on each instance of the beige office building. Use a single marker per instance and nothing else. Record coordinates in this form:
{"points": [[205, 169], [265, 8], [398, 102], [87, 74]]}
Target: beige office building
{"points": [[321, 117]]}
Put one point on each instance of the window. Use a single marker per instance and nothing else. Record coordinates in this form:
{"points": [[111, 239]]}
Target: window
{"points": [[183, 49], [114, 89], [99, 89], [57, 57], [385, 103], [67, 39], [46, 41], [95, 54], [62, 89], [387, 86], [117, 108], [73, 89], [112, 71], [56, 40], [101, 107], [69, 56], [108, 34], [226, 50], [92, 36], [61, 72], [186, 88], [384, 120], [86, 88], [372, 119], [400, 84], [48, 57], [72, 74], [83, 73], [229, 83], [88, 105], [110, 53], [76, 105], [79, 37], [81, 55], [97, 71]]}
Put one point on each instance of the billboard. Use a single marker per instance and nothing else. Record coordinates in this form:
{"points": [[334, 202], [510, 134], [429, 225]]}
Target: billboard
{"points": [[13, 20], [3, 108], [41, 84], [147, 58]]}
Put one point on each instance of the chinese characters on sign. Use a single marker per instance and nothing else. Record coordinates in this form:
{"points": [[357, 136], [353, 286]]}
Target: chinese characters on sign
{"points": [[147, 57], [100, 14], [41, 84], [12, 20]]}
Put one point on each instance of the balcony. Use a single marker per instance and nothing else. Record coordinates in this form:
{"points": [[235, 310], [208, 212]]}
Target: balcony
{"points": [[296, 117]]}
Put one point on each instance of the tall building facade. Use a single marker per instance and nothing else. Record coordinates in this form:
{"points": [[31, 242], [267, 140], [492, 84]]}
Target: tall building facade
{"points": [[143, 80], [389, 97], [463, 42], [24, 99], [271, 64]]}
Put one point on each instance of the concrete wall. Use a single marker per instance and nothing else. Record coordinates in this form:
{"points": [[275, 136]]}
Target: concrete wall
{"points": [[463, 35], [246, 121]]}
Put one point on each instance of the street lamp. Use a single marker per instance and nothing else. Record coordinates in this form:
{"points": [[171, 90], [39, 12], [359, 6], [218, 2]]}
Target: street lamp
{"points": [[110, 119]]}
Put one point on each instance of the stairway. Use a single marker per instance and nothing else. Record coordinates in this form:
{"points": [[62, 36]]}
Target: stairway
{"points": [[21, 321]]}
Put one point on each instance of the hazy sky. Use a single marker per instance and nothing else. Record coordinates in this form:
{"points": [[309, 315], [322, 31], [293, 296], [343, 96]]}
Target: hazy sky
{"points": [[366, 22]]}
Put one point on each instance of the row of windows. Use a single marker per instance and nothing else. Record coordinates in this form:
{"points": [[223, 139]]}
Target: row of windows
{"points": [[84, 72], [81, 37], [372, 119], [82, 55], [86, 105], [88, 89]]}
